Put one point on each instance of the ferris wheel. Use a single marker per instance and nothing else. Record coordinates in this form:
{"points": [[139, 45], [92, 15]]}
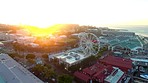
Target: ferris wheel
{"points": [[89, 43]]}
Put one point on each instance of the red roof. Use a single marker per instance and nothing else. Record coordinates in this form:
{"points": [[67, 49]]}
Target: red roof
{"points": [[100, 75], [117, 62], [82, 76], [94, 69], [100, 71]]}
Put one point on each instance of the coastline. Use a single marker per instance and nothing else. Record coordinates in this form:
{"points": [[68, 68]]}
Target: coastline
{"points": [[141, 34], [143, 31]]}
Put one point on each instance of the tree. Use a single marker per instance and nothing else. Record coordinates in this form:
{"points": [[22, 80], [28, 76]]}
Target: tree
{"points": [[74, 68], [31, 61], [85, 63], [15, 55], [31, 56], [44, 72], [65, 79], [45, 56], [37, 69], [12, 55]]}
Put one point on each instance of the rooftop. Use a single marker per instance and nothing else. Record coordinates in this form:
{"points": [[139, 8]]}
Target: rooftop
{"points": [[1, 80], [115, 76], [13, 72], [82, 76], [130, 43], [100, 73], [117, 62], [122, 38], [140, 60], [113, 42], [94, 69], [70, 57]]}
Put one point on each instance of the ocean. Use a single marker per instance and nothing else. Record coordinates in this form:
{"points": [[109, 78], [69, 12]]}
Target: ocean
{"points": [[139, 30]]}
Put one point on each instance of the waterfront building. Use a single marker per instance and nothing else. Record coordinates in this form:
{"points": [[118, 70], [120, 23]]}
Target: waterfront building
{"points": [[124, 44], [117, 32]]}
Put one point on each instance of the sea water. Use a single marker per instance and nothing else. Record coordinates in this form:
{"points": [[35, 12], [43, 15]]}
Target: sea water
{"points": [[140, 30]]}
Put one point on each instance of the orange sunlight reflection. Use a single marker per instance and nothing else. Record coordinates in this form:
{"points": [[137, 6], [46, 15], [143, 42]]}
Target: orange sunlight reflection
{"points": [[39, 31]]}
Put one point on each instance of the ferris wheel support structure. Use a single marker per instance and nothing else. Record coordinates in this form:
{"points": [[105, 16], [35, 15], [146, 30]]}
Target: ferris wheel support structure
{"points": [[89, 43]]}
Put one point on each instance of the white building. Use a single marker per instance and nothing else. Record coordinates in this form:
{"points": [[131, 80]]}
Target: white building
{"points": [[70, 57]]}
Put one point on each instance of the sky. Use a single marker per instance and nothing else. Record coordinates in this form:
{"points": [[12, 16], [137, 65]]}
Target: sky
{"points": [[44, 13]]}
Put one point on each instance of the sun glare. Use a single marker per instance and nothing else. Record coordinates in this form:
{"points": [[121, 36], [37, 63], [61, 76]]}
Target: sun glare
{"points": [[42, 31]]}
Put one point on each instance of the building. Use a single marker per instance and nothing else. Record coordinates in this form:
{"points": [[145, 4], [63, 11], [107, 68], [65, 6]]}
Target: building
{"points": [[7, 37], [123, 44], [145, 46], [100, 73], [95, 31], [116, 32], [39, 61], [122, 63], [25, 40], [13, 72], [123, 38], [141, 61], [116, 76], [82, 77], [70, 57], [1, 45], [24, 32]]}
